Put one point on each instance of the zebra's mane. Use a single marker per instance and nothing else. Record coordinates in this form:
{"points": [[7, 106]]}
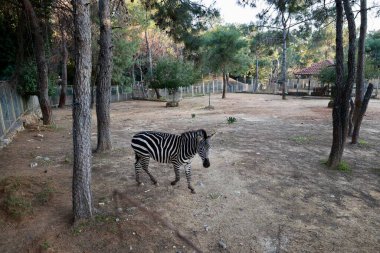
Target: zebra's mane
{"points": [[202, 131]]}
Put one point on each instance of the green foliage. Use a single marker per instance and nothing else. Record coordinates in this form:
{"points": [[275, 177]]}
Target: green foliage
{"points": [[231, 120], [172, 73], [344, 166], [28, 83], [372, 48], [44, 195], [327, 75], [302, 139], [45, 245], [225, 50], [182, 20], [122, 61], [7, 72]]}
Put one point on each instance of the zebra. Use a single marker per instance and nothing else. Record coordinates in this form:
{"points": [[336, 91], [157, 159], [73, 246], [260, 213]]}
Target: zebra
{"points": [[170, 148]]}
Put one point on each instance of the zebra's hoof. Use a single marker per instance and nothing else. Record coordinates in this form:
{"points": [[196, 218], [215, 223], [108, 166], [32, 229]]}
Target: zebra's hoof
{"points": [[173, 183], [156, 183], [140, 184], [193, 191]]}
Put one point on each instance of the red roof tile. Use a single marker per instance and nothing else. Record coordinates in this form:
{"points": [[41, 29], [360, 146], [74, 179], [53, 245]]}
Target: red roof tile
{"points": [[315, 68]]}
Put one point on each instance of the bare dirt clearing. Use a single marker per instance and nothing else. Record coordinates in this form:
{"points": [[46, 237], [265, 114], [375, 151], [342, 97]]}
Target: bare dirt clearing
{"points": [[266, 189]]}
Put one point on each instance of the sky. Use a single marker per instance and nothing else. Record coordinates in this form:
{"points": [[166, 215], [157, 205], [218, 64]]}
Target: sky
{"points": [[231, 12]]}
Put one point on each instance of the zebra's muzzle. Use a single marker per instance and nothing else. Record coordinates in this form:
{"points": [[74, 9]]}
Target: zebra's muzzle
{"points": [[206, 163]]}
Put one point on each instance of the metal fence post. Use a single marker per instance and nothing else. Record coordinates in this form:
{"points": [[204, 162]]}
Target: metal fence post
{"points": [[2, 120]]}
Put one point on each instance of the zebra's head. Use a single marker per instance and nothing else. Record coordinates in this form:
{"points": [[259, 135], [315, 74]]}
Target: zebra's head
{"points": [[203, 147]]}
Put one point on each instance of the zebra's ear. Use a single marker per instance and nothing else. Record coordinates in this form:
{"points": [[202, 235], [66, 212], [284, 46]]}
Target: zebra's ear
{"points": [[201, 135]]}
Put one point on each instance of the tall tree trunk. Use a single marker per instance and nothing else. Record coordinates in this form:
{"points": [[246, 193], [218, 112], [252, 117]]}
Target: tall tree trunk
{"points": [[224, 84], [65, 56], [103, 84], [363, 109], [357, 116], [150, 61], [283, 65], [82, 196], [343, 88], [42, 68]]}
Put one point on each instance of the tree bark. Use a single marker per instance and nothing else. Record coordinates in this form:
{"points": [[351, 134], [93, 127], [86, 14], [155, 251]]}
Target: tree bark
{"points": [[149, 55], [360, 73], [81, 188], [284, 48], [224, 84], [103, 84], [343, 88], [42, 68], [363, 109], [65, 56], [350, 123]]}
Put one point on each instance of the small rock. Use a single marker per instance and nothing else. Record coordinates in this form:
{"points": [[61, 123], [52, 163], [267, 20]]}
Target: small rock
{"points": [[39, 135], [130, 248], [101, 203], [133, 233], [6, 141], [258, 153], [199, 183], [46, 159], [120, 209], [38, 157], [117, 219], [206, 227], [174, 247], [33, 164], [222, 244]]}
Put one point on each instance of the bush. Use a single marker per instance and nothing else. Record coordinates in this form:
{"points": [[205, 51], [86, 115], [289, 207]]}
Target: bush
{"points": [[172, 73], [28, 82]]}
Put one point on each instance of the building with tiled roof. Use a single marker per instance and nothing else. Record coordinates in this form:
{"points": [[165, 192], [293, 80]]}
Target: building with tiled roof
{"points": [[314, 69]]}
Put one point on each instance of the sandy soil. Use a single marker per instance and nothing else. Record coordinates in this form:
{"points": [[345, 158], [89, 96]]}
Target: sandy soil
{"points": [[266, 190]]}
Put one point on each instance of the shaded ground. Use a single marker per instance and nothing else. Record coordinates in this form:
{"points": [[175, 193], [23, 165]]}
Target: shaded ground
{"points": [[266, 189]]}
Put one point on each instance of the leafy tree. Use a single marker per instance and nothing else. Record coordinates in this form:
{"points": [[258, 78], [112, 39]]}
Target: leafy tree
{"points": [[28, 80], [171, 73], [372, 48], [224, 51]]}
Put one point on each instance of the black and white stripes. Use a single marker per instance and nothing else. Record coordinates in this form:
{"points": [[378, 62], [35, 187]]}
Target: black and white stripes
{"points": [[170, 148]]}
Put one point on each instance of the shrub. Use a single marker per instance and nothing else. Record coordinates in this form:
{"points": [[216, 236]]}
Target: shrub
{"points": [[28, 84]]}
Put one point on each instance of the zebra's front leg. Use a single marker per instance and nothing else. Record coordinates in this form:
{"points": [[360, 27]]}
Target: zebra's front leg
{"points": [[145, 164], [188, 177], [176, 171]]}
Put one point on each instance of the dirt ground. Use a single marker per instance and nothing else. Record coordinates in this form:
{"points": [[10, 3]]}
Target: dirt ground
{"points": [[266, 190]]}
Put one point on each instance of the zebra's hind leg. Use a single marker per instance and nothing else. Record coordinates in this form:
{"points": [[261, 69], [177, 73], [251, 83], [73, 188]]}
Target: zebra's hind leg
{"points": [[188, 177], [145, 165], [176, 171], [138, 169]]}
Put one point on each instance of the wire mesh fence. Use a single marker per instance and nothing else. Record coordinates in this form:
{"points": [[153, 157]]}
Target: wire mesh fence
{"points": [[12, 106]]}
